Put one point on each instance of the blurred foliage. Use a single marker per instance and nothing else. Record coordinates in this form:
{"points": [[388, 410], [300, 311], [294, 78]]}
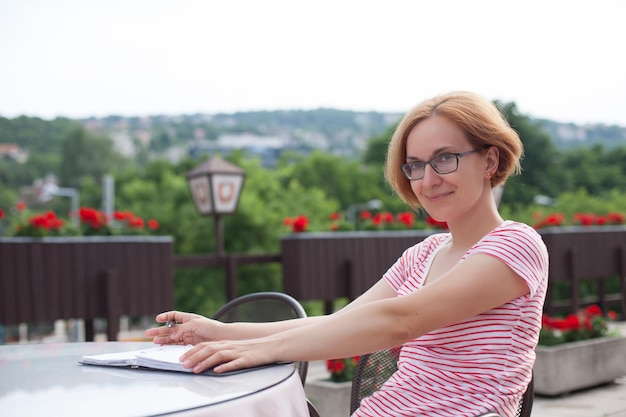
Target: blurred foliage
{"points": [[541, 173], [577, 180]]}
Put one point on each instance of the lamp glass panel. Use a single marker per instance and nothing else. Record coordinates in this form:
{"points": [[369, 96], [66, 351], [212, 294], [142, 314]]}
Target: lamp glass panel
{"points": [[226, 190], [201, 193]]}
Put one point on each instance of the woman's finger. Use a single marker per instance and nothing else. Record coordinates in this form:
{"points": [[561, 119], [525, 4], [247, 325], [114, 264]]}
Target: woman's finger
{"points": [[170, 316]]}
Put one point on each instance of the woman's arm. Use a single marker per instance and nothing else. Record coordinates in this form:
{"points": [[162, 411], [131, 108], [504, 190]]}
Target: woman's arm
{"points": [[478, 284], [195, 329]]}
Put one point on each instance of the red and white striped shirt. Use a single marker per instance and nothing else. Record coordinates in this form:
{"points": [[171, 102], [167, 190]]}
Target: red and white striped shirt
{"points": [[481, 364]]}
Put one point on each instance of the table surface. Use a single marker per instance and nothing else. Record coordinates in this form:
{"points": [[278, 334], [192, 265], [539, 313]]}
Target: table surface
{"points": [[41, 378]]}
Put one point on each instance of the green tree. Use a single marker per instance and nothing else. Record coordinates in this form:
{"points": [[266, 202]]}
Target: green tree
{"points": [[376, 150], [85, 154], [594, 169], [541, 173], [347, 182]]}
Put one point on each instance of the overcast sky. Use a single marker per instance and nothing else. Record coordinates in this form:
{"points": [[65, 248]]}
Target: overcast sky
{"points": [[560, 60]]}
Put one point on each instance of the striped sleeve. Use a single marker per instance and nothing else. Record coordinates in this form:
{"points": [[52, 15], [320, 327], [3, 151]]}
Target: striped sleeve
{"points": [[521, 248], [413, 262]]}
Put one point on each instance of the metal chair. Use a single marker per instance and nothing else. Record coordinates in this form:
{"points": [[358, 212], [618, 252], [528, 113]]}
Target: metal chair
{"points": [[263, 307], [312, 410], [373, 369]]}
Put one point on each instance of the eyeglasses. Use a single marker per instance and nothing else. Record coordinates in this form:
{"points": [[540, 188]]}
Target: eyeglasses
{"points": [[442, 164]]}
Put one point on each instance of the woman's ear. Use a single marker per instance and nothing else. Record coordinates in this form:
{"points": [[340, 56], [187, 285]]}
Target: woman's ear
{"points": [[493, 160]]}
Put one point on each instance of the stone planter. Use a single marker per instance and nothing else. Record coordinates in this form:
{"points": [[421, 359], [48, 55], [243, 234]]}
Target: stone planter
{"points": [[332, 399], [572, 366]]}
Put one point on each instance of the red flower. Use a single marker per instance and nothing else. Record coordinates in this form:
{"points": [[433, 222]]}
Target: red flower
{"points": [[135, 223], [586, 324], [407, 218], [364, 215], [555, 219], [342, 369], [334, 216], [20, 206], [1, 214], [436, 223], [123, 215], [593, 311], [335, 365], [585, 219], [614, 218], [572, 322], [153, 224], [92, 217], [47, 221], [300, 224]]}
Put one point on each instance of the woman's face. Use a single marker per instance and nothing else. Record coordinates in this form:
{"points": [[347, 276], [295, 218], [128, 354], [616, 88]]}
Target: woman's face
{"points": [[446, 196]]}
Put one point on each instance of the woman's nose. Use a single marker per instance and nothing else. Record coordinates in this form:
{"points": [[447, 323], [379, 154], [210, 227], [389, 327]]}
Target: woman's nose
{"points": [[430, 175]]}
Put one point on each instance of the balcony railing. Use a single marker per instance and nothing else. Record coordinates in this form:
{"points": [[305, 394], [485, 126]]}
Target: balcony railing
{"points": [[331, 265], [42, 280]]}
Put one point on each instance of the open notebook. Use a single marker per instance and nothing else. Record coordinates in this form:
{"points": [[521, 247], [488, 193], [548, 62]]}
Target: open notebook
{"points": [[165, 358]]}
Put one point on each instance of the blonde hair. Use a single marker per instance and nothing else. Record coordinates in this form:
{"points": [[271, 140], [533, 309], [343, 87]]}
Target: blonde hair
{"points": [[482, 123]]}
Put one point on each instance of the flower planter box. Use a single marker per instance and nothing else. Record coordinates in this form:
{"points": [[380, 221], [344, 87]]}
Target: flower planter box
{"points": [[573, 366], [332, 399], [331, 265]]}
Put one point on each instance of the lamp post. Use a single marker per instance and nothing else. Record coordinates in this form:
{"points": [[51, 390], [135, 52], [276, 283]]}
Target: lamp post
{"points": [[215, 187], [50, 189]]}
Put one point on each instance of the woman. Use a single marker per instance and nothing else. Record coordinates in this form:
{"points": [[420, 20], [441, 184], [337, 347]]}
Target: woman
{"points": [[466, 305]]}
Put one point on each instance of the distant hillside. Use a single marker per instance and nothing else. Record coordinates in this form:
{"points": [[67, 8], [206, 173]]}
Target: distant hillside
{"points": [[268, 133], [569, 135], [336, 131]]}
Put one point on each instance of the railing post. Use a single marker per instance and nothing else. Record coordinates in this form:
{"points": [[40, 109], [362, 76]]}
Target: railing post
{"points": [[622, 269], [113, 310], [574, 280], [231, 278]]}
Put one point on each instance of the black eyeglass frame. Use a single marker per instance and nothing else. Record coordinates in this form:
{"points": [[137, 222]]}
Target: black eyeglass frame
{"points": [[406, 168]]}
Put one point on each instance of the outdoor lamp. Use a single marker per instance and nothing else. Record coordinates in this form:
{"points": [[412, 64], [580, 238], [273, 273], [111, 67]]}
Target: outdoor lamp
{"points": [[215, 187], [50, 189]]}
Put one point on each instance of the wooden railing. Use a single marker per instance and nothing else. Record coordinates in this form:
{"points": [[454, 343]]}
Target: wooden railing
{"points": [[229, 262], [578, 255], [327, 266], [45, 279], [42, 280]]}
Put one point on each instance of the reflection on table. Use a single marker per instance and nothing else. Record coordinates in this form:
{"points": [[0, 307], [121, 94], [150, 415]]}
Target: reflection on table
{"points": [[46, 379]]}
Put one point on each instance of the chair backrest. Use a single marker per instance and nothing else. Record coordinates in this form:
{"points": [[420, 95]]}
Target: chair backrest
{"points": [[263, 307], [312, 410], [373, 369], [526, 404]]}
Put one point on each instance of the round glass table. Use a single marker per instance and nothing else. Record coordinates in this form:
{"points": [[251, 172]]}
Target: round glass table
{"points": [[47, 379]]}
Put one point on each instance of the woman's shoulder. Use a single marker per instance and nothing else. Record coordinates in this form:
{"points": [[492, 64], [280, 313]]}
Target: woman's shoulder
{"points": [[515, 227], [429, 243], [515, 234]]}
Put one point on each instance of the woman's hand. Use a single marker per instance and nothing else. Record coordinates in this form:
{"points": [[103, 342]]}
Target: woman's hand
{"points": [[228, 355], [188, 329]]}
